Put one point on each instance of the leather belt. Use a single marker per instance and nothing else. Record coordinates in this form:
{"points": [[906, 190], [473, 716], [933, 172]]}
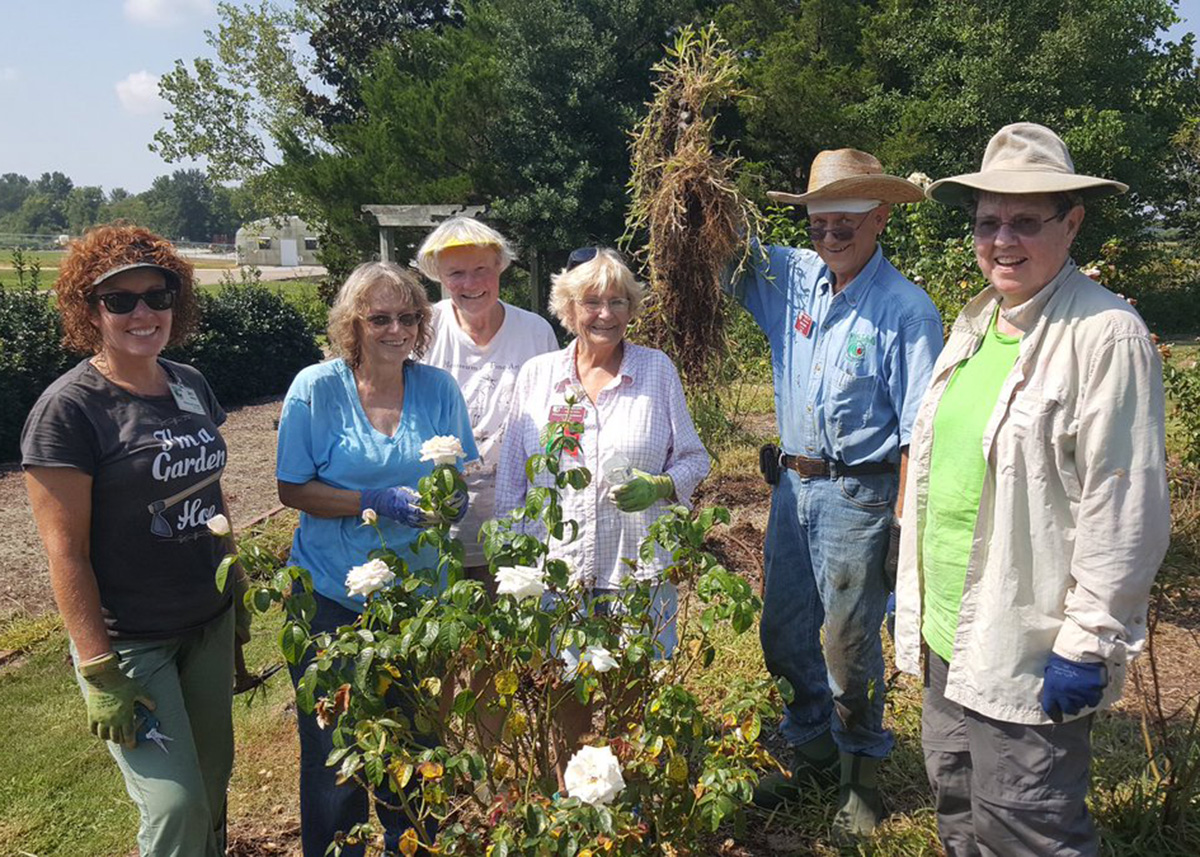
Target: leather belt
{"points": [[820, 468]]}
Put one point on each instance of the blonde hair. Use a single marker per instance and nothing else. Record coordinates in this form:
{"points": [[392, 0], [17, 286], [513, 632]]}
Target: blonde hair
{"points": [[604, 272], [461, 232], [352, 302]]}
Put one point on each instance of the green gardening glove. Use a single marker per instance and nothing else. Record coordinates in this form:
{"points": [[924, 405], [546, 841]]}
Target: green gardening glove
{"points": [[110, 700], [642, 491]]}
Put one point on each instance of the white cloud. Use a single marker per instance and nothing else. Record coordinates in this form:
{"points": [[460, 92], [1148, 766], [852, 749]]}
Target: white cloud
{"points": [[8, 74], [139, 93], [165, 13]]}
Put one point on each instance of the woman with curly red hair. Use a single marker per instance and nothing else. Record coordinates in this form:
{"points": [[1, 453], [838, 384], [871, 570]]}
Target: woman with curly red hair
{"points": [[122, 458]]}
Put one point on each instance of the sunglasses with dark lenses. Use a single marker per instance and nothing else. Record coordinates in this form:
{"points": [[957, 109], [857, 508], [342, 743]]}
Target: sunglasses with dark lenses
{"points": [[406, 319], [1025, 225], [581, 256], [841, 232], [122, 303]]}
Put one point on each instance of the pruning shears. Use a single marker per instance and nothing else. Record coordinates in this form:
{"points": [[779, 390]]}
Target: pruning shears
{"points": [[148, 729]]}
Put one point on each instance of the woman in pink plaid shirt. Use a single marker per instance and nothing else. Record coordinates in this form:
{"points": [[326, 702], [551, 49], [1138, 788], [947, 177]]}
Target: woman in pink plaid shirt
{"points": [[638, 439]]}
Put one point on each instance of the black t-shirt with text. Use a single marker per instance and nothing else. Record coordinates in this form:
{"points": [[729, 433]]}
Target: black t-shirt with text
{"points": [[155, 469]]}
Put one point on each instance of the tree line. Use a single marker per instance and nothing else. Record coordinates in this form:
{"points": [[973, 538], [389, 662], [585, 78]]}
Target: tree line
{"points": [[526, 104], [185, 205]]}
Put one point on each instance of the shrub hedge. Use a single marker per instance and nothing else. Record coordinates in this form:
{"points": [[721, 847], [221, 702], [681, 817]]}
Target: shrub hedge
{"points": [[251, 343]]}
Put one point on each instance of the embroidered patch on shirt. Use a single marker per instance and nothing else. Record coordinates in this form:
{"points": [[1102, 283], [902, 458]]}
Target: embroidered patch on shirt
{"points": [[859, 346]]}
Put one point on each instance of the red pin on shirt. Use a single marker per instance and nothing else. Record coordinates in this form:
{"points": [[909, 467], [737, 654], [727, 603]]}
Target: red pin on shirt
{"points": [[804, 324]]}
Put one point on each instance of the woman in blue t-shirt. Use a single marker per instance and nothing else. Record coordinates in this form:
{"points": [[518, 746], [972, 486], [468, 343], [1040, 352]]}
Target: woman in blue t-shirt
{"points": [[123, 458], [349, 440]]}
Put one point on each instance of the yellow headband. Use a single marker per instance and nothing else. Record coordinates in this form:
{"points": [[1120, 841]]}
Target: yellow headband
{"points": [[463, 242]]}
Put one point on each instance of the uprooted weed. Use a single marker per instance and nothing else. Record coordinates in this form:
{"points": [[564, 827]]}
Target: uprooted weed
{"points": [[685, 202]]}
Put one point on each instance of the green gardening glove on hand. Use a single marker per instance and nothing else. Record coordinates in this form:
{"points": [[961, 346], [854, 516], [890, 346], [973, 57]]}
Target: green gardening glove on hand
{"points": [[110, 700], [642, 491]]}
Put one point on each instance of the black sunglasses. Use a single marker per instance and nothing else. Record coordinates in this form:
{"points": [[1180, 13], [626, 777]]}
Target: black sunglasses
{"points": [[580, 256], [122, 303]]}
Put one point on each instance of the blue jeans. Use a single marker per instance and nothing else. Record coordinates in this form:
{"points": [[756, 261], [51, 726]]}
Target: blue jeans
{"points": [[825, 547], [325, 806]]}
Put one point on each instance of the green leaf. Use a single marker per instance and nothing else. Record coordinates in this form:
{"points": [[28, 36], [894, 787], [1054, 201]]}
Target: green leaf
{"points": [[223, 570], [464, 702]]}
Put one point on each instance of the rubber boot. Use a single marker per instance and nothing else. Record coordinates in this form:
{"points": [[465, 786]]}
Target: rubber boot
{"points": [[814, 765], [860, 806]]}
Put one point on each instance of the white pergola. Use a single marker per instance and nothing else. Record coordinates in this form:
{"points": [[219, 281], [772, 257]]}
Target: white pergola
{"points": [[426, 217]]}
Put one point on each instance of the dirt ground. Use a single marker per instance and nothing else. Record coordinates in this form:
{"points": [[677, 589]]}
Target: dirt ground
{"points": [[249, 483]]}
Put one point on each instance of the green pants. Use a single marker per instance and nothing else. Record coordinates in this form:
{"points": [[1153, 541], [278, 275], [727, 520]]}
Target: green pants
{"points": [[181, 793]]}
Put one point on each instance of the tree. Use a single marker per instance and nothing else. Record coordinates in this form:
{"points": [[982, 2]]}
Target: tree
{"points": [[13, 190], [83, 208], [187, 205]]}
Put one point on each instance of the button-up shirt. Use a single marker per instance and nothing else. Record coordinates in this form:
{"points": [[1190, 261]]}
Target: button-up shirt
{"points": [[1074, 517], [642, 414], [849, 367]]}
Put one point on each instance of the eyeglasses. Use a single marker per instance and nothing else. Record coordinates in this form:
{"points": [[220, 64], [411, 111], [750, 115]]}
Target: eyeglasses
{"points": [[1025, 225], [122, 303], [841, 232], [581, 256], [597, 304], [406, 319]]}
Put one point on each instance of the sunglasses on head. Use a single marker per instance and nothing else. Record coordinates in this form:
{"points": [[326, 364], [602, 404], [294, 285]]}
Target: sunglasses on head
{"points": [[580, 256], [122, 303], [406, 319], [1025, 225]]}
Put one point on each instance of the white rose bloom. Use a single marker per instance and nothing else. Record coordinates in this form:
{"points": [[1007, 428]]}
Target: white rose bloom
{"points": [[594, 776], [443, 449], [522, 581], [218, 525], [368, 577], [369, 517], [599, 657]]}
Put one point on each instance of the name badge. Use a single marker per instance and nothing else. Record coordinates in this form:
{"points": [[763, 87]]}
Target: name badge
{"points": [[567, 414], [804, 324], [186, 398]]}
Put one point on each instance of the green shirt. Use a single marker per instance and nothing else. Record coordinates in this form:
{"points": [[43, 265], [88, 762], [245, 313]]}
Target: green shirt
{"points": [[956, 472]]}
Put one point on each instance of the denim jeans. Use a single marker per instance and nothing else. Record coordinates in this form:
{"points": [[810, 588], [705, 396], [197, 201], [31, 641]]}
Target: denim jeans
{"points": [[825, 546], [325, 806]]}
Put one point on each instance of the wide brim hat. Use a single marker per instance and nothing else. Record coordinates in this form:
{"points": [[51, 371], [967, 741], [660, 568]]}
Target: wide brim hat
{"points": [[850, 174], [1023, 158]]}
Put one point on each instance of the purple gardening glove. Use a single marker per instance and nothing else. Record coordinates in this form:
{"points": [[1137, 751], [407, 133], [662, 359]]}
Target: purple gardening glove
{"points": [[1070, 687], [398, 504]]}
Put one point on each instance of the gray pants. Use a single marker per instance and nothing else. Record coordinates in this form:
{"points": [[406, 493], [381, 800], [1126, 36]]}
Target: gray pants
{"points": [[1005, 789]]}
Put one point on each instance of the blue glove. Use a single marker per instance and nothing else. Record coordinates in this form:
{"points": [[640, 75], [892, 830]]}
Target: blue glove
{"points": [[1069, 687], [399, 504]]}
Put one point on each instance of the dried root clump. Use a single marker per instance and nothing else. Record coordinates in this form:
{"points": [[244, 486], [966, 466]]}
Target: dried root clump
{"points": [[686, 203]]}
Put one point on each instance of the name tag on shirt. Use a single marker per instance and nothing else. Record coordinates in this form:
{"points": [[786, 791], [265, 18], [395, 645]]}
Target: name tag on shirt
{"points": [[567, 414], [804, 324], [186, 398]]}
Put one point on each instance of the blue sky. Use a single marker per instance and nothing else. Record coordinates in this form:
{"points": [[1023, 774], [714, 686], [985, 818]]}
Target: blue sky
{"points": [[78, 83]]}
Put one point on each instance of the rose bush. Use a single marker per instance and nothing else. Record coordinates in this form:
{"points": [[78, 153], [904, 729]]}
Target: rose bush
{"points": [[658, 771]]}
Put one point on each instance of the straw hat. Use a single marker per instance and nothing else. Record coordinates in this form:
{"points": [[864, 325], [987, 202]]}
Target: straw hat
{"points": [[852, 175], [1023, 158]]}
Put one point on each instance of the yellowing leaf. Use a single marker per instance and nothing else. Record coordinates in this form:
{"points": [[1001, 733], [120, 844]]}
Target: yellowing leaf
{"points": [[518, 723], [382, 682], [506, 683], [432, 685], [677, 769], [430, 770], [401, 773], [500, 771], [409, 843]]}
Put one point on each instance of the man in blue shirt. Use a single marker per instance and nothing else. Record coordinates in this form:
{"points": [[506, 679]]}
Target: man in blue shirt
{"points": [[853, 343]]}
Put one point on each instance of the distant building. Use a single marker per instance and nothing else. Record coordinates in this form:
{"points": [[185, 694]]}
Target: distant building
{"points": [[285, 242]]}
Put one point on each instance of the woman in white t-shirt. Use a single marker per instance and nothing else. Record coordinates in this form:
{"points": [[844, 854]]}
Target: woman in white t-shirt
{"points": [[483, 342]]}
